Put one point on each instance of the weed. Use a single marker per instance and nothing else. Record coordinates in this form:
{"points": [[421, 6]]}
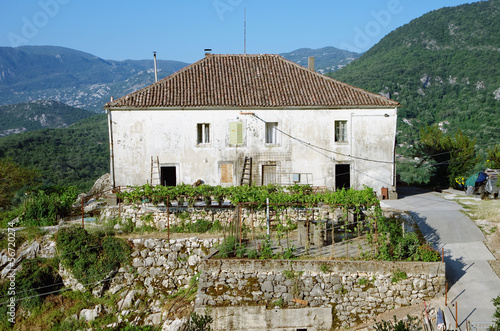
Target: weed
{"points": [[363, 281], [279, 303], [398, 275], [325, 268]]}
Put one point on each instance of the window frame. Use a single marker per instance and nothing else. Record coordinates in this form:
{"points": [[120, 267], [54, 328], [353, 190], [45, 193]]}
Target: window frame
{"points": [[203, 134], [340, 131], [271, 136]]}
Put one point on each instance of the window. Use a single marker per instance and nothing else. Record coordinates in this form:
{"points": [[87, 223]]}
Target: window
{"points": [[203, 133], [271, 133], [235, 133], [340, 131]]}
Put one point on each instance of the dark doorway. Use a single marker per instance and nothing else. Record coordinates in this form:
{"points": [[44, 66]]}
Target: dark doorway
{"points": [[168, 176], [342, 176]]}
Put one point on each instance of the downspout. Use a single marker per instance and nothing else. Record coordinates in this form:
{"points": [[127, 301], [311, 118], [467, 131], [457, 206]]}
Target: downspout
{"points": [[394, 152], [111, 150]]}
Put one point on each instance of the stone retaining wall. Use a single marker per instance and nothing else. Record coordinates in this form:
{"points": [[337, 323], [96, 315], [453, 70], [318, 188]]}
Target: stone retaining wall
{"points": [[139, 214], [162, 266], [355, 290]]}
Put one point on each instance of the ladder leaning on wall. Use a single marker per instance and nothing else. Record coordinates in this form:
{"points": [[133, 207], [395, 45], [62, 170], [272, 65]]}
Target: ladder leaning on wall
{"points": [[155, 171], [246, 172]]}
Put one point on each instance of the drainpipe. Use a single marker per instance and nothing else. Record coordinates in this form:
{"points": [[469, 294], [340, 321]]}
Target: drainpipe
{"points": [[111, 149]]}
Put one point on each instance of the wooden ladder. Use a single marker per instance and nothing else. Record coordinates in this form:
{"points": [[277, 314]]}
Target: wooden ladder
{"points": [[246, 173], [155, 171]]}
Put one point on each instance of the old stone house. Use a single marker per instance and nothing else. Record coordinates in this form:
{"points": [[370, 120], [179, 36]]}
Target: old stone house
{"points": [[296, 125]]}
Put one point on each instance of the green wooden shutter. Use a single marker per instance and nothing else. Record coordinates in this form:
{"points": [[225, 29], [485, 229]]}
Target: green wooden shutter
{"points": [[235, 133]]}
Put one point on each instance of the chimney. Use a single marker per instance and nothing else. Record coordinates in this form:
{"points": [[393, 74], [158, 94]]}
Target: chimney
{"points": [[208, 51], [310, 63]]}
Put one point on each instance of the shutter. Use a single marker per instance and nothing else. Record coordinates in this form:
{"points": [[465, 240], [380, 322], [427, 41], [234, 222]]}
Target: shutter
{"points": [[235, 133]]}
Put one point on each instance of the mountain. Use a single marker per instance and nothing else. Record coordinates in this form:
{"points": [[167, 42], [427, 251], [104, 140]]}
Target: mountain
{"points": [[443, 67], [76, 78], [35, 115], [326, 59], [75, 155], [86, 81]]}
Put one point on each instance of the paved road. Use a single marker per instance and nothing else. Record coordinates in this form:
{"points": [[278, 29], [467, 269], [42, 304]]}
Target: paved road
{"points": [[473, 284]]}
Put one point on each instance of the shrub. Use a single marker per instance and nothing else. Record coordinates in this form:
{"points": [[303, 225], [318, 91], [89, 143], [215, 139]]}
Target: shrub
{"points": [[199, 322], [43, 207], [34, 281], [227, 247], [426, 253], [90, 256]]}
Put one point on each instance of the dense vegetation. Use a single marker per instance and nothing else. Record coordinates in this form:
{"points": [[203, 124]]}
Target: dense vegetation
{"points": [[443, 67], [90, 256], [72, 156], [256, 195], [35, 115], [391, 242]]}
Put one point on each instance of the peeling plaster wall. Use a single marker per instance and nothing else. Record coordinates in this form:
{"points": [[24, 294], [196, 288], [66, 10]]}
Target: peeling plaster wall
{"points": [[308, 147]]}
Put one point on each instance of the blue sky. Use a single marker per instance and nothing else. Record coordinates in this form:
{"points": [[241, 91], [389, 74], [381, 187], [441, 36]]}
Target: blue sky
{"points": [[182, 29]]}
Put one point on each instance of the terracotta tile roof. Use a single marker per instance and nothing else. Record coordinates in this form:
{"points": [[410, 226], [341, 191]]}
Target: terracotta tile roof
{"points": [[249, 81]]}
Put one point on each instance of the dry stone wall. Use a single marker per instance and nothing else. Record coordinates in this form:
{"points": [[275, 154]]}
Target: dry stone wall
{"points": [[355, 290], [162, 265], [159, 217]]}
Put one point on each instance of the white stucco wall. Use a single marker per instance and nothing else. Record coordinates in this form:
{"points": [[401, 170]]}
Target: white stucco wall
{"points": [[308, 146]]}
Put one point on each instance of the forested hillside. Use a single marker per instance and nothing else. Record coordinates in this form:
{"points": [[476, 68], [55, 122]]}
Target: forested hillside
{"points": [[76, 155], [35, 115], [443, 67]]}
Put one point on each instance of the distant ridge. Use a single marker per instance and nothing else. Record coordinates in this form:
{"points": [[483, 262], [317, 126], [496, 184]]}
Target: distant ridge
{"points": [[73, 77], [86, 81], [326, 59]]}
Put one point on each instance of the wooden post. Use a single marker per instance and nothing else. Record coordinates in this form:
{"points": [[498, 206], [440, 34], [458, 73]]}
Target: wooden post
{"points": [[456, 315], [442, 254]]}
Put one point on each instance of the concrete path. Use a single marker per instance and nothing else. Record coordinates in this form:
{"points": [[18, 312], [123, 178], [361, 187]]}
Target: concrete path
{"points": [[472, 282]]}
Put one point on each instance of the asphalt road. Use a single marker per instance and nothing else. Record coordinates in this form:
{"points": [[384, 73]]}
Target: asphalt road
{"points": [[472, 282]]}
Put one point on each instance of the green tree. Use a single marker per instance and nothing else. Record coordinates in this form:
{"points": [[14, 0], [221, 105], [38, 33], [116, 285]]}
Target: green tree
{"points": [[12, 179], [445, 157], [493, 157]]}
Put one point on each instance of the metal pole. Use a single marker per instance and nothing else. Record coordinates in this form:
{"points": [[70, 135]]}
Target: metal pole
{"points": [[168, 218], [83, 222], [239, 219], [156, 72], [253, 229], [267, 216]]}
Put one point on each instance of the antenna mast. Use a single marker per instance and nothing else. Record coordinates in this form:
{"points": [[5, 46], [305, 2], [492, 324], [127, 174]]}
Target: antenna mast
{"points": [[245, 32]]}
